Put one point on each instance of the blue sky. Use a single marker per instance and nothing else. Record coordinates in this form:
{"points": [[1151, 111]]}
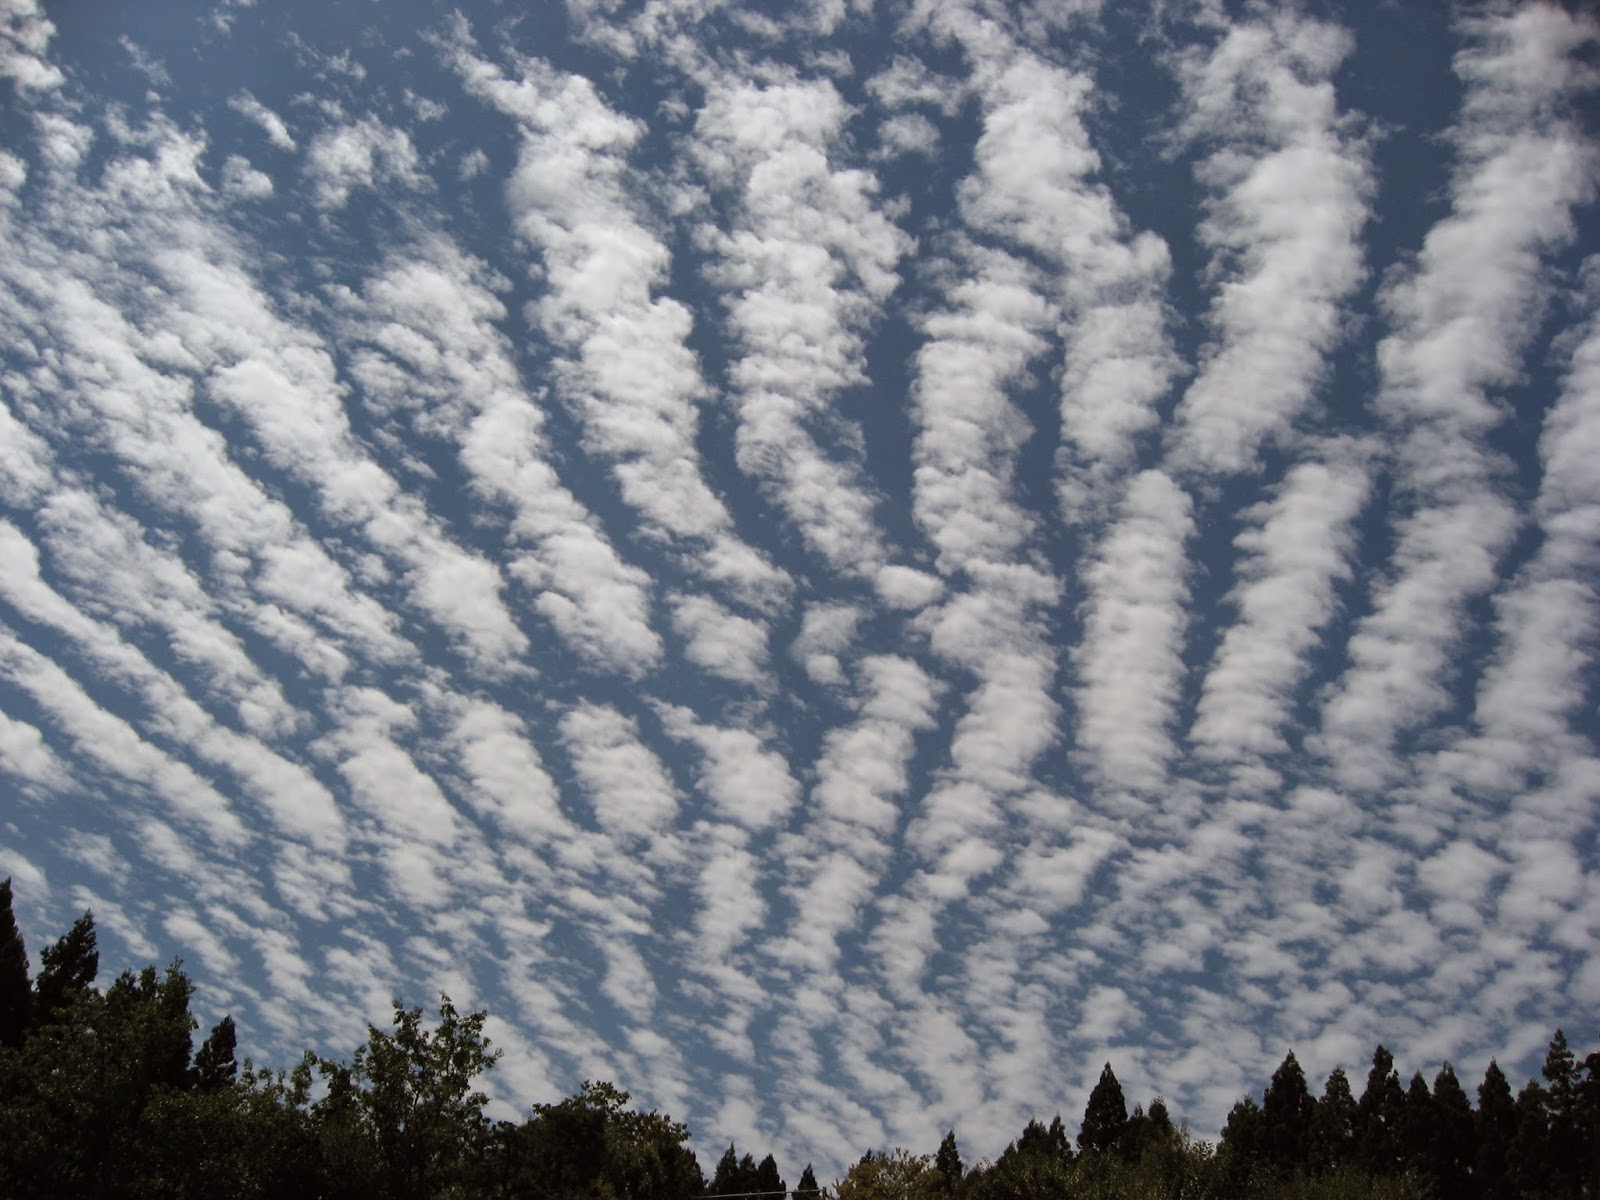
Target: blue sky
{"points": [[836, 564]]}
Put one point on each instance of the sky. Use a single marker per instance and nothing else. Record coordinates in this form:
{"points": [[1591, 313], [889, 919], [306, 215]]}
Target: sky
{"points": [[837, 564]]}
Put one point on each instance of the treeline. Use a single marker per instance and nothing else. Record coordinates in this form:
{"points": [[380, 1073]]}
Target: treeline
{"points": [[103, 1095]]}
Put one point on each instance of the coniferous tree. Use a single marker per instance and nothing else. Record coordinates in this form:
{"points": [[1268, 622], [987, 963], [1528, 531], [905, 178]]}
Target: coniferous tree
{"points": [[1528, 1161], [1106, 1116], [947, 1162], [1450, 1162], [767, 1178], [1333, 1125], [1418, 1128], [1565, 1141], [1495, 1126], [68, 970], [1131, 1144], [1286, 1113], [808, 1189], [215, 1066], [1241, 1135], [1378, 1115], [16, 993]]}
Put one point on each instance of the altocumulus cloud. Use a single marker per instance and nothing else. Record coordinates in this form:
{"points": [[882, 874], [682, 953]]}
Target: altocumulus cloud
{"points": [[838, 569]]}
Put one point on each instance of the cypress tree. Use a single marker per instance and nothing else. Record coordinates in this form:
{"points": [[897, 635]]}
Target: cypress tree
{"points": [[16, 998], [808, 1189], [1106, 1116]]}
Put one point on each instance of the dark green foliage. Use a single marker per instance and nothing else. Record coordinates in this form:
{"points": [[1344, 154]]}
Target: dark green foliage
{"points": [[767, 1178], [69, 968], [1528, 1162], [16, 993], [99, 1099], [1241, 1137], [1417, 1126], [947, 1162], [1495, 1124], [1565, 1136], [1378, 1116], [1106, 1115], [216, 1066], [1284, 1137], [1449, 1159], [735, 1175], [1332, 1139]]}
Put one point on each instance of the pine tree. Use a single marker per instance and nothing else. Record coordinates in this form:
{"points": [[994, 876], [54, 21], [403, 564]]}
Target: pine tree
{"points": [[215, 1066], [1333, 1124], [1286, 1114], [68, 970], [1106, 1116], [808, 1189], [1495, 1124], [16, 998]]}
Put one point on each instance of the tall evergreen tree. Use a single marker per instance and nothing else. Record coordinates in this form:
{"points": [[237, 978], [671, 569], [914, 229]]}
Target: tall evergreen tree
{"points": [[68, 970], [1454, 1138], [947, 1162], [1566, 1143], [1106, 1115], [1418, 1128], [1495, 1124], [1286, 1114], [1333, 1124], [1528, 1162], [16, 995], [1378, 1115], [808, 1189], [767, 1178], [215, 1066]]}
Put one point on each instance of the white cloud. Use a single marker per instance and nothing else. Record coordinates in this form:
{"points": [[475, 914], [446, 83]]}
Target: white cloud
{"points": [[243, 182], [1129, 661], [25, 35], [625, 367], [721, 642], [364, 155], [1461, 321], [1290, 187], [269, 122], [747, 781], [804, 268], [626, 784], [1298, 546]]}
